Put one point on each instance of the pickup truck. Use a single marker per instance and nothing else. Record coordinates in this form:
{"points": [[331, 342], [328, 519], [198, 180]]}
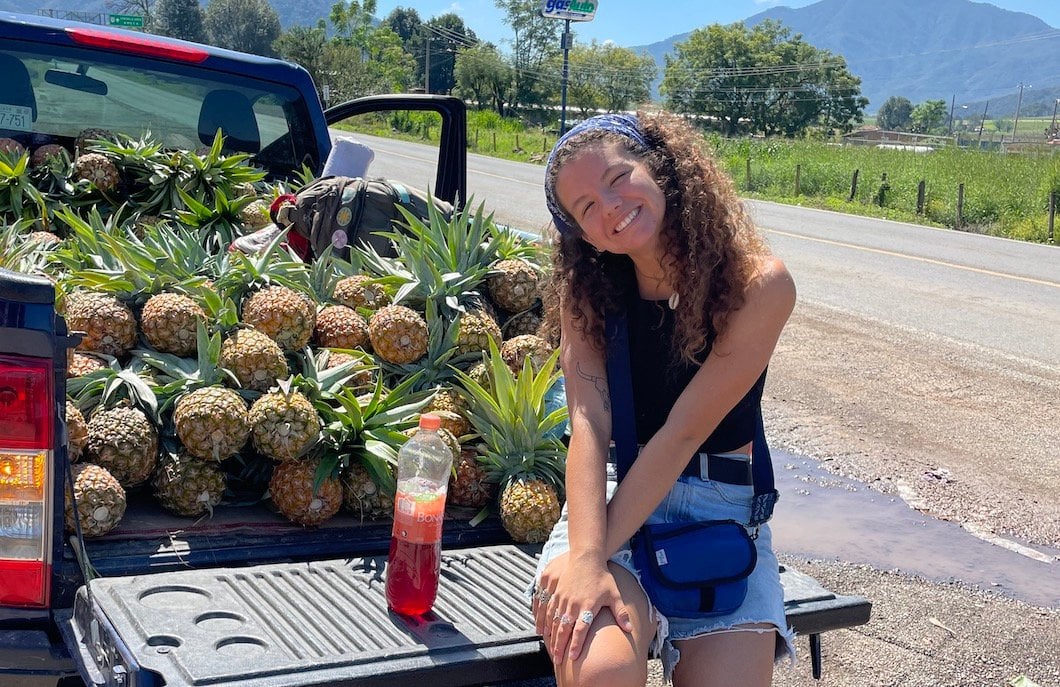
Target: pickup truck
{"points": [[242, 598]]}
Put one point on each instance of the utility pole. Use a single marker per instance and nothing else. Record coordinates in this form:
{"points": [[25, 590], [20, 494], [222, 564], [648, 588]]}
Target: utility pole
{"points": [[1052, 127], [1016, 124], [979, 144], [427, 65], [953, 101]]}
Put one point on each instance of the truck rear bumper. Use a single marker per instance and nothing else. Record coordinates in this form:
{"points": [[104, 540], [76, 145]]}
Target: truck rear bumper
{"points": [[32, 657]]}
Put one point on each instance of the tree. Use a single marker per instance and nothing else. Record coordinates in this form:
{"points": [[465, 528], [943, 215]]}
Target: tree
{"points": [[536, 42], [246, 25], [762, 80], [483, 76], [605, 76], [930, 117], [406, 23], [896, 114], [306, 46], [180, 19], [444, 36]]}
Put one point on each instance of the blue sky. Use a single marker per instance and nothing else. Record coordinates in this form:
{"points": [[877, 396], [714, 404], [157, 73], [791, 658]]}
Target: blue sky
{"points": [[640, 22]]}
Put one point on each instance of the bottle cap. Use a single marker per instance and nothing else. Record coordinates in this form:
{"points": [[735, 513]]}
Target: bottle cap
{"points": [[430, 422]]}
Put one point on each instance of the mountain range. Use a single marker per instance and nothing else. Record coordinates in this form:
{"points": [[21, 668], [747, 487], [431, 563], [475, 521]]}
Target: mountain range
{"points": [[972, 55], [969, 54]]}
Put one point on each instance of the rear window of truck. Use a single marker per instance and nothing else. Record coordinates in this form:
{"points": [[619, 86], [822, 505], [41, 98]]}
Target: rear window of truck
{"points": [[180, 105]]}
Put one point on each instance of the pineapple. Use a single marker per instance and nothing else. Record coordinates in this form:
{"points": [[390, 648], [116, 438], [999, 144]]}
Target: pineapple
{"points": [[256, 360], [398, 334], [477, 329], [88, 137], [100, 501], [516, 350], [125, 442], [514, 285], [339, 326], [97, 169], [362, 496], [12, 148], [187, 486], [169, 322], [363, 377], [81, 364], [302, 497], [212, 423], [519, 449], [530, 508], [47, 155], [449, 405], [284, 424], [526, 322], [255, 215], [358, 291], [469, 485], [76, 430], [283, 314], [109, 325], [43, 239]]}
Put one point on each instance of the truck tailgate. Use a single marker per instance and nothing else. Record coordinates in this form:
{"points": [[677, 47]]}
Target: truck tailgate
{"points": [[326, 623]]}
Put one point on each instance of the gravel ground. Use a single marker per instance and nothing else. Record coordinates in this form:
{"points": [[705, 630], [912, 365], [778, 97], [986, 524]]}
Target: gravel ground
{"points": [[957, 431]]}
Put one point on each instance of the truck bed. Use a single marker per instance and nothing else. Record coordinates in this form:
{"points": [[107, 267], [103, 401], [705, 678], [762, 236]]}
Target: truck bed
{"points": [[326, 622]]}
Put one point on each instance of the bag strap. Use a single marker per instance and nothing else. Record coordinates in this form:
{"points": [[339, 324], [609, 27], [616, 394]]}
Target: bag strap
{"points": [[624, 429]]}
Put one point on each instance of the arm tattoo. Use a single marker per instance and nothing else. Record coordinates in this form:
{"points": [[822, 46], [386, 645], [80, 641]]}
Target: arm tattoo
{"points": [[600, 383]]}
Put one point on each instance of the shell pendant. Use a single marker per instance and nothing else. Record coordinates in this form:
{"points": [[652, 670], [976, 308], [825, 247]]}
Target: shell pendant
{"points": [[675, 298]]}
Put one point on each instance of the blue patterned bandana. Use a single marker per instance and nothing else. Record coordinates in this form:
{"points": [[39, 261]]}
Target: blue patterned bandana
{"points": [[621, 124]]}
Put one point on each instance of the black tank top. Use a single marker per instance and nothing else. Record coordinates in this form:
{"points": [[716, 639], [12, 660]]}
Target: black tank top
{"points": [[657, 383]]}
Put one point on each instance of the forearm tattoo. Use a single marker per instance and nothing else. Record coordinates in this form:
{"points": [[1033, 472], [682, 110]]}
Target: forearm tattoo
{"points": [[599, 383]]}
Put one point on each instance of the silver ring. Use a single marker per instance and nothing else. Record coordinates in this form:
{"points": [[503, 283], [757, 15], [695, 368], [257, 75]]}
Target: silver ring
{"points": [[586, 617], [565, 619], [543, 596], [556, 615]]}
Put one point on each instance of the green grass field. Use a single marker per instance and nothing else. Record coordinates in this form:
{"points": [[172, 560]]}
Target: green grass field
{"points": [[1005, 194]]}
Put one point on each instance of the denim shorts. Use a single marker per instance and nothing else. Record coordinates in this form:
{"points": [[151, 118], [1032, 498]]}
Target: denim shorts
{"points": [[694, 499]]}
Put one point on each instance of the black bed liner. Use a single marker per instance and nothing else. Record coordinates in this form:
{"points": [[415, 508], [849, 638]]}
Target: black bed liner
{"points": [[326, 623]]}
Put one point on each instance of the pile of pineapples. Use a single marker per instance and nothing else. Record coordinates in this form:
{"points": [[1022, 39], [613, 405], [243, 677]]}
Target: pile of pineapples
{"points": [[209, 379]]}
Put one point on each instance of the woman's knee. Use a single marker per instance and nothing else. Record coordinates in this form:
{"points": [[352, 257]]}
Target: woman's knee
{"points": [[602, 668]]}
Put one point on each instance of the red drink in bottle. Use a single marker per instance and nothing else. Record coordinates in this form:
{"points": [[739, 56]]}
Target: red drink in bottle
{"points": [[415, 558]]}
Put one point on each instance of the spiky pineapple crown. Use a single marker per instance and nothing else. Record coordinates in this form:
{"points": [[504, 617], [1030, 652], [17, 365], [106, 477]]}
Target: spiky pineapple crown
{"points": [[514, 422]]}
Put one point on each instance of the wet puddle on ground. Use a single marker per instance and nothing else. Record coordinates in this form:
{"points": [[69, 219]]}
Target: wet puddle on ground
{"points": [[825, 516]]}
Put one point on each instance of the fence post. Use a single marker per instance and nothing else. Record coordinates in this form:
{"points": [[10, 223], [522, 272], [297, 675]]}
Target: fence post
{"points": [[476, 139], [798, 176], [1052, 214], [748, 173], [960, 205], [517, 148], [881, 194], [544, 144], [854, 186], [494, 141], [920, 197]]}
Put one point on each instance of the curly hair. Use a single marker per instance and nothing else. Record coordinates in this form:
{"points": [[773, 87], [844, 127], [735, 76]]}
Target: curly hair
{"points": [[711, 247]]}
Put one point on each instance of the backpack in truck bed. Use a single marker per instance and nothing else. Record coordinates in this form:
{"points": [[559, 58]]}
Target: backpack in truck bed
{"points": [[339, 212]]}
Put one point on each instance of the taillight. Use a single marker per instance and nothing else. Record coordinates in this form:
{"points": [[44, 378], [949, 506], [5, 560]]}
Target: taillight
{"points": [[27, 410], [137, 45]]}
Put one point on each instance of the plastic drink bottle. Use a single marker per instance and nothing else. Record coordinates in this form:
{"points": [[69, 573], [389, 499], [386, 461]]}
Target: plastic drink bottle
{"points": [[414, 563]]}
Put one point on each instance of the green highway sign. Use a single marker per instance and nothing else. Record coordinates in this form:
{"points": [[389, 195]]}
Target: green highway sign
{"points": [[131, 20]]}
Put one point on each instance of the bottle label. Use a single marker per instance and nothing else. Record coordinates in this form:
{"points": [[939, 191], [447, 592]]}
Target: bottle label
{"points": [[418, 518]]}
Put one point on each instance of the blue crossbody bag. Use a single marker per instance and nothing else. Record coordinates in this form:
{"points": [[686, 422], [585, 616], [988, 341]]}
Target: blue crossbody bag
{"points": [[688, 569]]}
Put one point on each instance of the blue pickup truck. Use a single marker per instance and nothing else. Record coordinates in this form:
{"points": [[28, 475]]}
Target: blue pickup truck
{"points": [[239, 599]]}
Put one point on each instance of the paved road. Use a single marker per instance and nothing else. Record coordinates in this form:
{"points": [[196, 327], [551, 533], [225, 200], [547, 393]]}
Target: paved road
{"points": [[1001, 294]]}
